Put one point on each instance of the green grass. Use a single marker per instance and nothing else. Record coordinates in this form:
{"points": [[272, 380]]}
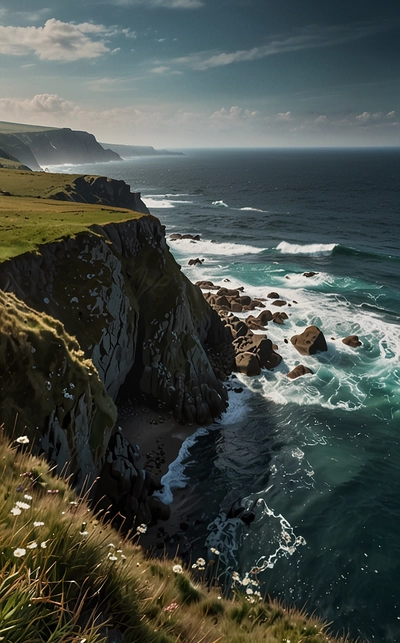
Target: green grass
{"points": [[18, 128], [66, 576], [30, 217]]}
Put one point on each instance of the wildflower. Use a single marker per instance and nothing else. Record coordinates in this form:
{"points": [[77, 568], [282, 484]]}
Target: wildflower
{"points": [[201, 563], [32, 545], [38, 523], [249, 591], [23, 439], [111, 545], [16, 511], [142, 529], [19, 552], [44, 544], [215, 551], [112, 557], [84, 533], [236, 577], [246, 581], [27, 497], [171, 607], [52, 490], [22, 505], [178, 569], [123, 557]]}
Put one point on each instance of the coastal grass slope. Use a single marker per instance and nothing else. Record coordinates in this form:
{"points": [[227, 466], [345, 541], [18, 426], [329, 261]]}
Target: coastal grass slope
{"points": [[67, 575], [30, 215]]}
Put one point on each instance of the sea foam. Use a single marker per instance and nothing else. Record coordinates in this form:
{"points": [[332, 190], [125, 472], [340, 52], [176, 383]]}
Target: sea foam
{"points": [[307, 249]]}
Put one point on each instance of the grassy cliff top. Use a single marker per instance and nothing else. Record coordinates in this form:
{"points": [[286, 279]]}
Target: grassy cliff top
{"points": [[29, 216], [19, 128]]}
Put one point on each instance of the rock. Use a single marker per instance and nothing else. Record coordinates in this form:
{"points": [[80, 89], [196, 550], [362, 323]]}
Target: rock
{"points": [[207, 285], [273, 295], [309, 274], [279, 302], [248, 364], [297, 371], [310, 341], [352, 340], [264, 317], [195, 262]]}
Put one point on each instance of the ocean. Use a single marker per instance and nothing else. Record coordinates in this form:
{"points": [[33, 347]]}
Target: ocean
{"points": [[318, 458]]}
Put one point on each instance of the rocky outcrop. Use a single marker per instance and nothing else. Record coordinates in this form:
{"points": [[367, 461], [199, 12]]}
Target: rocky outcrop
{"points": [[16, 148], [101, 190], [51, 393], [119, 291], [310, 341]]}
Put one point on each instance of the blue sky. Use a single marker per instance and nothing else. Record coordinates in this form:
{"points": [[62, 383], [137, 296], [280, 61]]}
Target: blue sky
{"points": [[220, 73]]}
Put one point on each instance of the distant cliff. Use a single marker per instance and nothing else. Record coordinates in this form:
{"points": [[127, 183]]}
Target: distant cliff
{"points": [[37, 149]]}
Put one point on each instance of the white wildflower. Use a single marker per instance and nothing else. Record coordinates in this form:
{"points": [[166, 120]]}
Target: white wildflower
{"points": [[32, 545], [38, 523], [201, 563], [19, 552], [84, 533], [23, 439], [178, 569], [111, 545], [22, 505], [27, 497], [246, 581], [44, 544], [236, 577], [249, 591], [215, 551], [16, 511], [112, 557], [142, 529]]}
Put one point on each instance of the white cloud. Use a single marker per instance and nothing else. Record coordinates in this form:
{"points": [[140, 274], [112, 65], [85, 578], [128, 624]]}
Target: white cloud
{"points": [[284, 116], [311, 37], [160, 70], [63, 41], [234, 114], [168, 4]]}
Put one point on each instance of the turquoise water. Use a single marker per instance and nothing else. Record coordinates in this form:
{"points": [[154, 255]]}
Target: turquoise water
{"points": [[318, 458]]}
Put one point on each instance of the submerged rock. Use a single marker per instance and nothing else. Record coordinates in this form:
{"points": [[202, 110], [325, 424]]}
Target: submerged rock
{"points": [[298, 371], [352, 340]]}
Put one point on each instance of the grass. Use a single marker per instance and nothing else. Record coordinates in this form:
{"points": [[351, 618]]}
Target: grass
{"points": [[18, 128], [30, 217], [67, 576]]}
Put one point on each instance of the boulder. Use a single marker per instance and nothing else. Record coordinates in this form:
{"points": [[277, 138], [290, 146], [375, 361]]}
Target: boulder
{"points": [[248, 364], [273, 295], [310, 341], [298, 371], [352, 340], [195, 262], [279, 302], [309, 274]]}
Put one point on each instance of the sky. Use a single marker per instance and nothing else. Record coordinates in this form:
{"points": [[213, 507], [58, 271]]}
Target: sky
{"points": [[205, 73]]}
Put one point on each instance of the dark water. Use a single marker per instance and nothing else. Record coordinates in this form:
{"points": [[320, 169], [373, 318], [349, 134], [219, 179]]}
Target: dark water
{"points": [[317, 457]]}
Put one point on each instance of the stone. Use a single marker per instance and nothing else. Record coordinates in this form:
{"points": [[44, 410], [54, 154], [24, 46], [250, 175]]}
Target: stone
{"points": [[352, 340], [309, 341], [273, 295], [298, 371], [279, 302], [309, 274], [248, 364]]}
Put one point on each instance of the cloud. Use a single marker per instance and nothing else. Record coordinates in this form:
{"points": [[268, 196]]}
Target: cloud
{"points": [[160, 70], [311, 37], [284, 116], [62, 41], [167, 4], [40, 104]]}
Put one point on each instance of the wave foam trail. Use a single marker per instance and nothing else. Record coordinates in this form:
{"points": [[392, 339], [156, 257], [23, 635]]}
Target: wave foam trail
{"points": [[210, 248], [248, 209], [307, 249], [220, 204], [235, 541]]}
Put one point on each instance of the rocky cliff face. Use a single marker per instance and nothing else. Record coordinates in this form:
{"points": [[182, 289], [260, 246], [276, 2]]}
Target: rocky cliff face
{"points": [[37, 149], [85, 316]]}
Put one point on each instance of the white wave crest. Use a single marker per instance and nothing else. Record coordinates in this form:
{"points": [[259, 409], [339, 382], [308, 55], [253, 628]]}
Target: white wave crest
{"points": [[253, 210], [220, 204], [307, 249], [210, 248]]}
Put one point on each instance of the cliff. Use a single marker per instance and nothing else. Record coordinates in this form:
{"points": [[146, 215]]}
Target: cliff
{"points": [[83, 316], [38, 147]]}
